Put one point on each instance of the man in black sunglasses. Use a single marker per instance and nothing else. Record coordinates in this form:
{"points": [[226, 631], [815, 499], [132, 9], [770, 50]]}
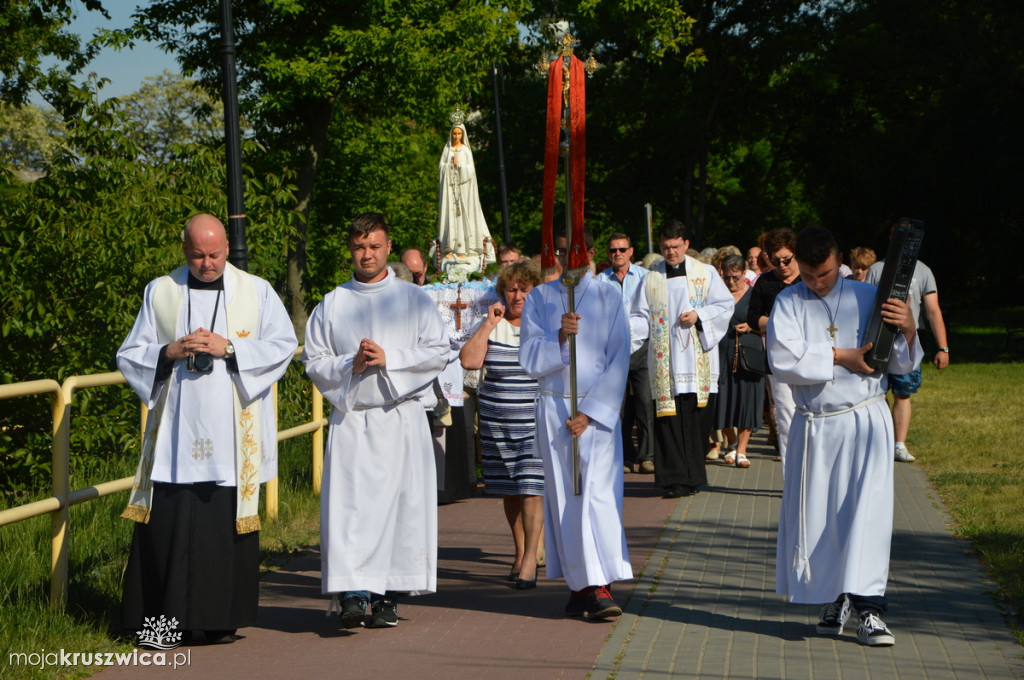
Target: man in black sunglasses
{"points": [[636, 405]]}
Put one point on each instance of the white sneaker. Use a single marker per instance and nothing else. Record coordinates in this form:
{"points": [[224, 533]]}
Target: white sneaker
{"points": [[873, 632], [902, 455]]}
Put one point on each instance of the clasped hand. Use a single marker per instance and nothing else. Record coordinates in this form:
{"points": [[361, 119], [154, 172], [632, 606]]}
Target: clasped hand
{"points": [[369, 354], [198, 342]]}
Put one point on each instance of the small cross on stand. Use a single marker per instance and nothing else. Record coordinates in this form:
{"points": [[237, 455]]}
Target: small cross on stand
{"points": [[458, 306]]}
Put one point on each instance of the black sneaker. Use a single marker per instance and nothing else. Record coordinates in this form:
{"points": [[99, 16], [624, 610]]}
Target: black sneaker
{"points": [[353, 612], [384, 613], [873, 632], [600, 604], [834, 616]]}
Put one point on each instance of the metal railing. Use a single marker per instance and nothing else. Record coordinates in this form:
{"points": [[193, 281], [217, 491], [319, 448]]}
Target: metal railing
{"points": [[58, 505]]}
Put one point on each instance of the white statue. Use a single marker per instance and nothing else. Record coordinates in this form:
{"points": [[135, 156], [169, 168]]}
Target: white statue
{"points": [[465, 242]]}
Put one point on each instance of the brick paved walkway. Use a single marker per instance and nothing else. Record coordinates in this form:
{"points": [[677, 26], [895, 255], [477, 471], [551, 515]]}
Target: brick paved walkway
{"points": [[703, 605]]}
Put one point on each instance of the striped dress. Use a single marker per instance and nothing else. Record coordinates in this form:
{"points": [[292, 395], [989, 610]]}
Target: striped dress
{"points": [[507, 399]]}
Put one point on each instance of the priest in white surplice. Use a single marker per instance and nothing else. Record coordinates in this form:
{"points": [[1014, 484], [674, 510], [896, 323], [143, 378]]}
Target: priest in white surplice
{"points": [[835, 525], [586, 543], [373, 347], [685, 309], [203, 355]]}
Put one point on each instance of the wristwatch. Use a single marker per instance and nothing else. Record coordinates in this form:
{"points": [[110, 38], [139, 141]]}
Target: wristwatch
{"points": [[229, 351], [944, 349]]}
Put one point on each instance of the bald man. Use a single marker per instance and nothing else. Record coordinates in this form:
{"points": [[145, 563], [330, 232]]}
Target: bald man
{"points": [[207, 347], [413, 259]]}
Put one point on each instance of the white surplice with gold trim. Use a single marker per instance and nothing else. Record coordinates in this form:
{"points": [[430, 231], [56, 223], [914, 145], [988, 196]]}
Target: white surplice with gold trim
{"points": [[196, 431]]}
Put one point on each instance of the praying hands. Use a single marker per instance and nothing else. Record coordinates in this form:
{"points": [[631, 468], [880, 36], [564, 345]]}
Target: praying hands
{"points": [[369, 354]]}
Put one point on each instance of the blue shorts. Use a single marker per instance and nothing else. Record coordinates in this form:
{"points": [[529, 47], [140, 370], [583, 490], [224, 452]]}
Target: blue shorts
{"points": [[905, 385]]}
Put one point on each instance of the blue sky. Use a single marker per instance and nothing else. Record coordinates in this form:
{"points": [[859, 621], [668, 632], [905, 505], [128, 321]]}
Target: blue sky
{"points": [[125, 69]]}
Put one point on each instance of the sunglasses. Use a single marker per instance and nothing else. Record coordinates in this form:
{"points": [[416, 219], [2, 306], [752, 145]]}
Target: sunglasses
{"points": [[781, 261], [726, 277], [617, 250]]}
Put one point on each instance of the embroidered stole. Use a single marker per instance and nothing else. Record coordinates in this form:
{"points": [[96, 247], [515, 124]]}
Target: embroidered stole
{"points": [[660, 353], [698, 283], [242, 318]]}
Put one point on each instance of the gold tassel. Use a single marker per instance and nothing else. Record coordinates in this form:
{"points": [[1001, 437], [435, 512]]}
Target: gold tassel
{"points": [[136, 513], [247, 525]]}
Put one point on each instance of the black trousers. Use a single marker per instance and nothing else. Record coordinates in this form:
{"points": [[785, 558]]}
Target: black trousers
{"points": [[638, 406], [188, 563], [683, 443]]}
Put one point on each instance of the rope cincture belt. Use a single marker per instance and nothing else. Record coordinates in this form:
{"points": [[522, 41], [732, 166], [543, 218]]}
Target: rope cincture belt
{"points": [[801, 563]]}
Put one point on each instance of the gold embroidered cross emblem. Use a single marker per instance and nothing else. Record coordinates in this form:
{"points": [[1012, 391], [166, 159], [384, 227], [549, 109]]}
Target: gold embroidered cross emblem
{"points": [[202, 449]]}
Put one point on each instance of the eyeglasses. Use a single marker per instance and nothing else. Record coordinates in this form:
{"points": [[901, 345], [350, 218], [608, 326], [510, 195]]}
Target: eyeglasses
{"points": [[617, 250], [781, 261], [726, 277]]}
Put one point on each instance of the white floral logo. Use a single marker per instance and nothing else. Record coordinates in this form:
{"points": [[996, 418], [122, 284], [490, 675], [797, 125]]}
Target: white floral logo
{"points": [[159, 633]]}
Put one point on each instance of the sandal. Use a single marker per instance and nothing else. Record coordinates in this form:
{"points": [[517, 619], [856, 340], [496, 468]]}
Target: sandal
{"points": [[742, 461], [730, 458]]}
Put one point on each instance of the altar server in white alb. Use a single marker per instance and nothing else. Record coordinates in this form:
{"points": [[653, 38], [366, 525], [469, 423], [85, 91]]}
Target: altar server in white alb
{"points": [[203, 355], [373, 347], [835, 526], [584, 536]]}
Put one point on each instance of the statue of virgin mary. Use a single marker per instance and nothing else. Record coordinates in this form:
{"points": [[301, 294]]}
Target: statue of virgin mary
{"points": [[465, 242]]}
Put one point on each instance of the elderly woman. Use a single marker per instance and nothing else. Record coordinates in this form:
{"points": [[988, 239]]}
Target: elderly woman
{"points": [[507, 424], [740, 394]]}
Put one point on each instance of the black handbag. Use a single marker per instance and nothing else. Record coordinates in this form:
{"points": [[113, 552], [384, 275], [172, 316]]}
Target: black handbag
{"points": [[751, 357]]}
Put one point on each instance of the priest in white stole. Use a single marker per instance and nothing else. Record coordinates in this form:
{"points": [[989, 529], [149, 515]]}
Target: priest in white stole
{"points": [[586, 542], [685, 309], [374, 346], [835, 525], [203, 355]]}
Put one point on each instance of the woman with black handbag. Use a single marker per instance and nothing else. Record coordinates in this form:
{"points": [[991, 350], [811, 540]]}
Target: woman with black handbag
{"points": [[740, 389]]}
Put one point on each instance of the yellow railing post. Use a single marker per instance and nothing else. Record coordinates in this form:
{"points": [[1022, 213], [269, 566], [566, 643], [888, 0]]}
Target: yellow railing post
{"points": [[61, 485], [270, 488], [318, 440]]}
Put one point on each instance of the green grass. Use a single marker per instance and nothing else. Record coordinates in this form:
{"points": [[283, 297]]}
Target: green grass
{"points": [[965, 432], [98, 552]]}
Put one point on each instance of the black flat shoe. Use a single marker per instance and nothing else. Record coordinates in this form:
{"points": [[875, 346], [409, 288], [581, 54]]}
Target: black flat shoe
{"points": [[522, 584]]}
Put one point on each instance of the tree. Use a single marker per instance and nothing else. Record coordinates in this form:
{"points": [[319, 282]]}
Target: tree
{"points": [[34, 30], [29, 136], [170, 110]]}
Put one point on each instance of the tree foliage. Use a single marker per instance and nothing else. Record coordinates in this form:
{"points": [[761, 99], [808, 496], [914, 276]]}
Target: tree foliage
{"points": [[29, 136], [33, 32], [170, 110]]}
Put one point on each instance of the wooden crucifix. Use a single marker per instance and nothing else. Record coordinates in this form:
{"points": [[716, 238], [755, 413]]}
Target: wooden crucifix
{"points": [[458, 306]]}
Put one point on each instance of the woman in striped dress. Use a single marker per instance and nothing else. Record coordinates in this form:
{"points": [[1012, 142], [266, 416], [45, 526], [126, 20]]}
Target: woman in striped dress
{"points": [[507, 399]]}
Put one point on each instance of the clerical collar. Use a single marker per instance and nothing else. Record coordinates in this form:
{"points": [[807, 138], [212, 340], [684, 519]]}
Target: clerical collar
{"points": [[673, 270], [199, 284]]}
